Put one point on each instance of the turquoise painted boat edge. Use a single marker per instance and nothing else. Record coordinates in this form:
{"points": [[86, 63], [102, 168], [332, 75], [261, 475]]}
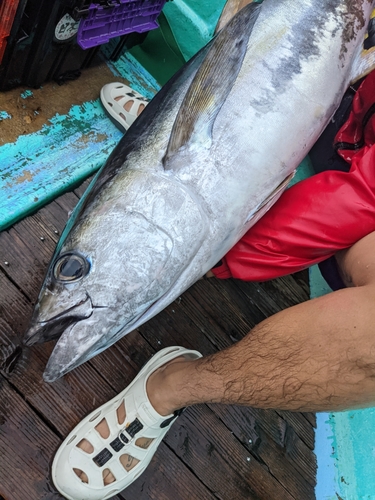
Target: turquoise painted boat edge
{"points": [[345, 443], [326, 480], [138, 77], [327, 487], [41, 166], [4, 115]]}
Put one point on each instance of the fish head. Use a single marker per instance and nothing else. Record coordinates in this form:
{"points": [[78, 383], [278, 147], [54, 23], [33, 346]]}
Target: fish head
{"points": [[110, 269]]}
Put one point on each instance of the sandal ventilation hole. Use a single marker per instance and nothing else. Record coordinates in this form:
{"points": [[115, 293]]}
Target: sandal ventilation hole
{"points": [[128, 106], [102, 429], [121, 413], [85, 446], [144, 442], [108, 477], [128, 462], [81, 475]]}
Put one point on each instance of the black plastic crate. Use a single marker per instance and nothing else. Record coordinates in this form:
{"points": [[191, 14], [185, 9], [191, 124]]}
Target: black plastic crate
{"points": [[42, 44]]}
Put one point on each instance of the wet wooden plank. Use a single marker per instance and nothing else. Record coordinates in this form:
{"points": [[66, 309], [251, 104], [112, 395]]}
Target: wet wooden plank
{"points": [[211, 315], [15, 308], [200, 438], [68, 202], [311, 418], [262, 448], [167, 479], [26, 447], [24, 267], [298, 422], [10, 349], [172, 326], [271, 297], [79, 191], [245, 306], [225, 313], [207, 322]]}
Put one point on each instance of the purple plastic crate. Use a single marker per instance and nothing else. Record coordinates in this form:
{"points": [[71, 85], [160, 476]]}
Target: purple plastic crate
{"points": [[120, 18]]}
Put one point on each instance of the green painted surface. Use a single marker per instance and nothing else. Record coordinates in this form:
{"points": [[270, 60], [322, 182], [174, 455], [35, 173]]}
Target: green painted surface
{"points": [[304, 170], [185, 27], [193, 22], [159, 53]]}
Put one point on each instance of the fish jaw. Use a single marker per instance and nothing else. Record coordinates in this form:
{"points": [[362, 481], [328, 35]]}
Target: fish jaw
{"points": [[43, 330], [81, 341]]}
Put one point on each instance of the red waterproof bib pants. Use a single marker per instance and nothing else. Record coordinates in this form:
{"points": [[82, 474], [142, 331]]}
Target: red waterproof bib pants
{"points": [[320, 215]]}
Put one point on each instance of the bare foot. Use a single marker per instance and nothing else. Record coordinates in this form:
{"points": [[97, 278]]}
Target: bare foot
{"points": [[159, 391]]}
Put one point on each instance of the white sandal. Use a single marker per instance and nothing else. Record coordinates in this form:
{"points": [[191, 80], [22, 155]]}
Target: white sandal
{"points": [[115, 97], [129, 446]]}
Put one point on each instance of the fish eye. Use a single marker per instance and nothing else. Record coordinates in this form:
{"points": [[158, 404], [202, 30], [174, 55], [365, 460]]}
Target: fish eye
{"points": [[70, 267]]}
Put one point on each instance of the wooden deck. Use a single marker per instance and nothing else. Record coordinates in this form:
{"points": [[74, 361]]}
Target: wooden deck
{"points": [[212, 451]]}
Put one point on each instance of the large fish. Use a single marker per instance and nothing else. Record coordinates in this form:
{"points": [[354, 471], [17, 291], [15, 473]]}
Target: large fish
{"points": [[208, 156]]}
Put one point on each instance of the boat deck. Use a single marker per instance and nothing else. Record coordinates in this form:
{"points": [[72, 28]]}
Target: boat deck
{"points": [[212, 451]]}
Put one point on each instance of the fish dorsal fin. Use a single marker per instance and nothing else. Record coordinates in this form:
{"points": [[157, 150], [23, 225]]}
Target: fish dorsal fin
{"points": [[230, 10], [212, 83]]}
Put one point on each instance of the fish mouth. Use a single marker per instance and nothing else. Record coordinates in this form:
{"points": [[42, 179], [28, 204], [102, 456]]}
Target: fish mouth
{"points": [[81, 341], [44, 331]]}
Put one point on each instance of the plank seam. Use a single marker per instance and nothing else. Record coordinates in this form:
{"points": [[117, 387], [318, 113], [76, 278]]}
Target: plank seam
{"points": [[191, 470], [35, 410], [9, 278], [300, 437], [258, 459]]}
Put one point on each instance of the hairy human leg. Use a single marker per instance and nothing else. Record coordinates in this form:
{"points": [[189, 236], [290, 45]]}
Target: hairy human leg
{"points": [[316, 356]]}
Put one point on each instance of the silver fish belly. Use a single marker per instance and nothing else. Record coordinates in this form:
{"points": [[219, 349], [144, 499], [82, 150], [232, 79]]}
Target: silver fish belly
{"points": [[204, 161]]}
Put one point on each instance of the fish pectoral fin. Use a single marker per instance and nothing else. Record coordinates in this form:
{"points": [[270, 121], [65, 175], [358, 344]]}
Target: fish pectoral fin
{"points": [[363, 65], [212, 83], [266, 204]]}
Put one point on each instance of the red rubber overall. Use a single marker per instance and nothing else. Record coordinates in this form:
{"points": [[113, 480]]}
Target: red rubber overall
{"points": [[320, 215]]}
